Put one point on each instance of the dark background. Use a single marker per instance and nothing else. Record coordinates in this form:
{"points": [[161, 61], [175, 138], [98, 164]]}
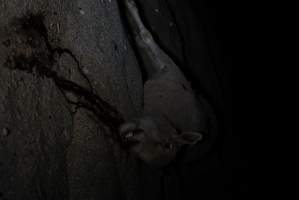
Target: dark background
{"points": [[218, 23], [226, 174]]}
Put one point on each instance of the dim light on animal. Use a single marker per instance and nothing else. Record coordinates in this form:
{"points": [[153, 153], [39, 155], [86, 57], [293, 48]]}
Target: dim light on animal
{"points": [[173, 117]]}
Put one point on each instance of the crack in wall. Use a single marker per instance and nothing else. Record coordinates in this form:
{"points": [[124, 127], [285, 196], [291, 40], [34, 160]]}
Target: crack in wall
{"points": [[30, 51]]}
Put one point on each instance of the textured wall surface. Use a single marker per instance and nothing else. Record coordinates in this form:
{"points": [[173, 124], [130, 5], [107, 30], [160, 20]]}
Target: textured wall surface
{"points": [[68, 74], [52, 54]]}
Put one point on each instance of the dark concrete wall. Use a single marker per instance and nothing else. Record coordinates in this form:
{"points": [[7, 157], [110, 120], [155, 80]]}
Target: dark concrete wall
{"points": [[50, 148], [57, 57]]}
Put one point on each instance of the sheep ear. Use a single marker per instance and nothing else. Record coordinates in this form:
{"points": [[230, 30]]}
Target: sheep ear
{"points": [[189, 138]]}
